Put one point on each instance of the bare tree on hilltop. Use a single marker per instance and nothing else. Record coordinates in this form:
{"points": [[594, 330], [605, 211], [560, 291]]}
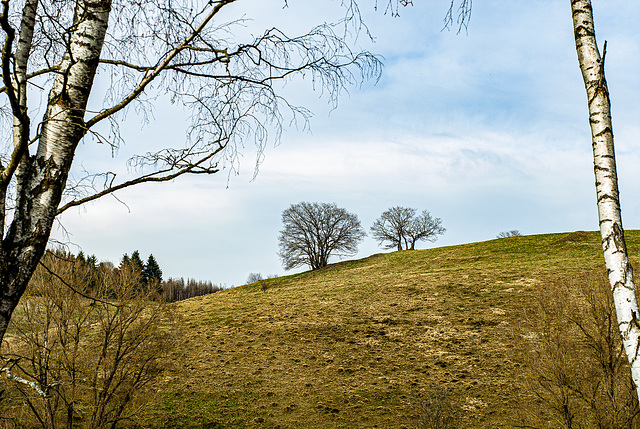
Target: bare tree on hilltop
{"points": [[315, 231], [400, 226]]}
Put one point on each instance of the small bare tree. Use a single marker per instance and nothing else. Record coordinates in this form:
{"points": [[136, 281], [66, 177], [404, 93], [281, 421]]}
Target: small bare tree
{"points": [[253, 277], [400, 226], [424, 228], [315, 231]]}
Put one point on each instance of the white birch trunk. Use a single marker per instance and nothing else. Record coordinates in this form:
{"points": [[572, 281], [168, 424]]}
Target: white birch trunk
{"points": [[41, 179], [613, 243]]}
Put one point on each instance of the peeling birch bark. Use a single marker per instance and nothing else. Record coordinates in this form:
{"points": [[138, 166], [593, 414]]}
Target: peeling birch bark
{"points": [[613, 243]]}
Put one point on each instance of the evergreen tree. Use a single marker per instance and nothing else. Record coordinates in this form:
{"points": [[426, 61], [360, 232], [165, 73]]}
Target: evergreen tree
{"points": [[92, 261], [125, 261], [151, 271], [136, 261]]}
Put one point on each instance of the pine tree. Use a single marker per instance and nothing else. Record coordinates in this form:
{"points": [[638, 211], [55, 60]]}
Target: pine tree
{"points": [[136, 261], [151, 271], [125, 261], [92, 261]]}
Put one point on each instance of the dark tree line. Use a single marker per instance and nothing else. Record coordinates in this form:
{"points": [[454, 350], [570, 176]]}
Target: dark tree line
{"points": [[146, 276], [150, 271]]}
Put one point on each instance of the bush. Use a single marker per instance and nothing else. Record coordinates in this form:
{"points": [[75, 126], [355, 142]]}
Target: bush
{"points": [[253, 277], [435, 410], [83, 362], [576, 372], [507, 234]]}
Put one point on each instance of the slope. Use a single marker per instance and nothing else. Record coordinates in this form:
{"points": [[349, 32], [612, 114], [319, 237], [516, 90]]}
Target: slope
{"points": [[360, 344]]}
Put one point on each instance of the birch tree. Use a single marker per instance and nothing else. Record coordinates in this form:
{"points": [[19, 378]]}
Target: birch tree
{"points": [[613, 243], [52, 53]]}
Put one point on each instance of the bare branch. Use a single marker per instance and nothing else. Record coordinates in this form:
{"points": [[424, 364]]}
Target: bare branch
{"points": [[175, 169], [463, 18], [35, 74]]}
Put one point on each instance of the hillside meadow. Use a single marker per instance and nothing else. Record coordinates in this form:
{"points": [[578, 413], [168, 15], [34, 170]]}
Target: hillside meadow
{"points": [[383, 342], [366, 343]]}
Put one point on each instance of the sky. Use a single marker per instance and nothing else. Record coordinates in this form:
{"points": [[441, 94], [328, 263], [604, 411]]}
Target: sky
{"points": [[486, 129]]}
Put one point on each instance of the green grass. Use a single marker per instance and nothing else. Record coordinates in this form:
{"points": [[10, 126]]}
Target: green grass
{"points": [[358, 343]]}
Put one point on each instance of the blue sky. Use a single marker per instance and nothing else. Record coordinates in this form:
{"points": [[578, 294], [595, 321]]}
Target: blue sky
{"points": [[487, 130]]}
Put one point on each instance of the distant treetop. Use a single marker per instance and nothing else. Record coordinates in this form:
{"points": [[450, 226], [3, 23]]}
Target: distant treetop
{"points": [[507, 234]]}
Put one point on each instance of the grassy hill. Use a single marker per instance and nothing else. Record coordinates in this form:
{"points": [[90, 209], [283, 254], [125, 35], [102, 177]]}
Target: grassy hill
{"points": [[360, 344]]}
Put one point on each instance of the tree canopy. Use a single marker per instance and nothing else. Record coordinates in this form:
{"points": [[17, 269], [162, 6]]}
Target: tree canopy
{"points": [[151, 271], [400, 226], [315, 231]]}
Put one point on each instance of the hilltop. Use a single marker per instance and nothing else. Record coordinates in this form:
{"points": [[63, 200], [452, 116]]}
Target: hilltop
{"points": [[359, 343]]}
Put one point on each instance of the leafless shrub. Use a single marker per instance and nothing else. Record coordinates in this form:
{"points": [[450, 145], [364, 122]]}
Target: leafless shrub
{"points": [[507, 234], [253, 277], [575, 366], [435, 410], [81, 362]]}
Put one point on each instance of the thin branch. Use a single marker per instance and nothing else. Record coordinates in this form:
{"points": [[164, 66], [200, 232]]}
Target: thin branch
{"points": [[464, 15], [35, 74], [151, 177]]}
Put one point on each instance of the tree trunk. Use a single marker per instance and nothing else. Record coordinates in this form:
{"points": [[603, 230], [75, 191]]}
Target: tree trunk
{"points": [[613, 243], [41, 179]]}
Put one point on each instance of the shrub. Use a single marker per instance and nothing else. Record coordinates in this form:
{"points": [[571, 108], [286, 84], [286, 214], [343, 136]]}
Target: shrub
{"points": [[80, 361], [507, 234], [253, 277], [435, 410], [575, 368]]}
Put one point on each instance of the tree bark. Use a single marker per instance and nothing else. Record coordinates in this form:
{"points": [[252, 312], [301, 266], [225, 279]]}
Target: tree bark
{"points": [[613, 243], [41, 179]]}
